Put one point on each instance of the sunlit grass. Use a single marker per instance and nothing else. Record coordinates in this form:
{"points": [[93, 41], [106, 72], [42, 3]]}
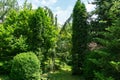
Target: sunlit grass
{"points": [[63, 74]]}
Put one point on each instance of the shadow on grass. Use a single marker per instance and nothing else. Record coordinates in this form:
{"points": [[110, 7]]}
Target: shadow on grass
{"points": [[63, 75]]}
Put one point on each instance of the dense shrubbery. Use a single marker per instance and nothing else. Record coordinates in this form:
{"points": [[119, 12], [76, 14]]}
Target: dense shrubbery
{"points": [[25, 66]]}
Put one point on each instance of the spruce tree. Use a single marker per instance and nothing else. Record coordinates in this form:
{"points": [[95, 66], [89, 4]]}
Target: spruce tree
{"points": [[104, 19], [102, 10], [101, 62], [79, 37]]}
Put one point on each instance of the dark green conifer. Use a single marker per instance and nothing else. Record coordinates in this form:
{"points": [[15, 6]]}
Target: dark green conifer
{"points": [[79, 37]]}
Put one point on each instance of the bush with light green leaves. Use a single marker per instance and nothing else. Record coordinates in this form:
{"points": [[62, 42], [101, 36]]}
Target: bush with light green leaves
{"points": [[25, 66]]}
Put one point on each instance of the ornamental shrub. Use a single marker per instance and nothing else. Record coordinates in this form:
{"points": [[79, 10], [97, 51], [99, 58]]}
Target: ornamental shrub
{"points": [[25, 66]]}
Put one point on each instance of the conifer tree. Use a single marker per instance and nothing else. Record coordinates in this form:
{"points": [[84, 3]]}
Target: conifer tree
{"points": [[79, 37]]}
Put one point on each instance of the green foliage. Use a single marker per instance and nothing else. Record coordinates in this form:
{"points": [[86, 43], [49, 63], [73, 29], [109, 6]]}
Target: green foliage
{"points": [[5, 67], [11, 43], [43, 35], [106, 60], [104, 18], [102, 10], [21, 31], [36, 30], [15, 31], [113, 42], [5, 41], [114, 10], [25, 66], [28, 30], [11, 18], [108, 37], [4, 77], [64, 43], [6, 6], [100, 76], [43, 31], [97, 60], [116, 65], [79, 37]]}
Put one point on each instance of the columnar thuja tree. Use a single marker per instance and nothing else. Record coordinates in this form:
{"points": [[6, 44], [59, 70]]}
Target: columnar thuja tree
{"points": [[79, 37]]}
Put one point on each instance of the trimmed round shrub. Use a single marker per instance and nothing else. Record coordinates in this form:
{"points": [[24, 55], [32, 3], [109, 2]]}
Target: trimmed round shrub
{"points": [[25, 66]]}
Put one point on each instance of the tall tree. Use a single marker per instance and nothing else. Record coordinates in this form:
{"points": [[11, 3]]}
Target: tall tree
{"points": [[43, 34], [79, 37]]}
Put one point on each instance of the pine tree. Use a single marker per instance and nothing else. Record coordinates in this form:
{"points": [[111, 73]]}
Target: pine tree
{"points": [[79, 37]]}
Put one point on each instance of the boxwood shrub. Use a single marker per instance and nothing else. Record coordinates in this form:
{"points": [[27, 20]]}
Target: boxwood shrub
{"points": [[25, 66]]}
